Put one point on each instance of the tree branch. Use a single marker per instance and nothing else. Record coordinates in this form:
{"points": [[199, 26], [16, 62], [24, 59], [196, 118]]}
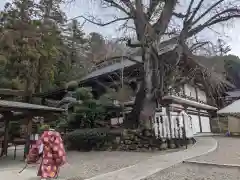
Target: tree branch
{"points": [[179, 15], [210, 23], [129, 5], [207, 11], [100, 23], [152, 7], [118, 6], [229, 12], [198, 45], [162, 24], [196, 10], [188, 11]]}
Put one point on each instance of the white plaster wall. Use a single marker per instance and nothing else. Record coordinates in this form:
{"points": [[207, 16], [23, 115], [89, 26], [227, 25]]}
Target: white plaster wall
{"points": [[190, 90], [116, 121], [202, 95], [233, 124], [205, 121], [187, 89], [188, 124], [195, 124]]}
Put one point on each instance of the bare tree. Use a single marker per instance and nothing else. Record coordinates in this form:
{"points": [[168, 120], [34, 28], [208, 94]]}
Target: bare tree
{"points": [[153, 20]]}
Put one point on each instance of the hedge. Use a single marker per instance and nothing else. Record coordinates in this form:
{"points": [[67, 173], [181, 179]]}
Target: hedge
{"points": [[88, 139]]}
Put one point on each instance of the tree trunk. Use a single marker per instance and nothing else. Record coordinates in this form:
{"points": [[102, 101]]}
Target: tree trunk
{"points": [[144, 106], [132, 121], [149, 104]]}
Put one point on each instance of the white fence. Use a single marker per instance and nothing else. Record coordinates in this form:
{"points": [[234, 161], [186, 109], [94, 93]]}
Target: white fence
{"points": [[178, 126]]}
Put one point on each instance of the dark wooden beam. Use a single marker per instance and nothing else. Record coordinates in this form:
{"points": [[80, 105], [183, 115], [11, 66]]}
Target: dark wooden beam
{"points": [[169, 120], [7, 116], [29, 132], [199, 115], [11, 92]]}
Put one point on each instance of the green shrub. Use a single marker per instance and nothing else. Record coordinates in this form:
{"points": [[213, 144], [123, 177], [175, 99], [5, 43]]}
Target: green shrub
{"points": [[43, 128], [88, 139]]}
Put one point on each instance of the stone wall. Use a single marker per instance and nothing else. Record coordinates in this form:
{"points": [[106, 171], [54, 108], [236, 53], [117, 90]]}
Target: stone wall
{"points": [[142, 141], [119, 140]]}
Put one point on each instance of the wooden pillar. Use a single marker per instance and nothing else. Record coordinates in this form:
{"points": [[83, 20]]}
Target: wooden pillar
{"points": [[200, 122], [169, 120], [199, 116], [29, 132], [6, 137], [184, 128], [6, 117], [43, 101], [183, 89]]}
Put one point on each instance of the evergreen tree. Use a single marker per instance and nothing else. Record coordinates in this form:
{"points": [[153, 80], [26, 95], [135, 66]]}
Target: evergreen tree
{"points": [[31, 42], [73, 64]]}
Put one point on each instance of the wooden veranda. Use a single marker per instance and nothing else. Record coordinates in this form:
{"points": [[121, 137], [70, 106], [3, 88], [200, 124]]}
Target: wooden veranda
{"points": [[12, 110]]}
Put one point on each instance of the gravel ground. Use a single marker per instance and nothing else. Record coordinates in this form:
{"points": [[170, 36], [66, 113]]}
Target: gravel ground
{"points": [[9, 162], [89, 164], [86, 164], [196, 172], [228, 152], [83, 164]]}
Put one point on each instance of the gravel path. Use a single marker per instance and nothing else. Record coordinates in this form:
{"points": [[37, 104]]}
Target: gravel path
{"points": [[86, 164], [196, 172], [9, 162], [228, 152], [89, 164]]}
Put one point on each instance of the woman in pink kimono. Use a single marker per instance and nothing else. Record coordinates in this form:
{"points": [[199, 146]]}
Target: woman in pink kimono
{"points": [[50, 148]]}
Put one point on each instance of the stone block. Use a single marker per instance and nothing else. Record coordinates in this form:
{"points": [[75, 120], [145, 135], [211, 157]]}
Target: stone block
{"points": [[118, 140], [128, 142], [132, 147], [163, 146]]}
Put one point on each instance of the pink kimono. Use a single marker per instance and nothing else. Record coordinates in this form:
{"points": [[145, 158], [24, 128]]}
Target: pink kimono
{"points": [[53, 154]]}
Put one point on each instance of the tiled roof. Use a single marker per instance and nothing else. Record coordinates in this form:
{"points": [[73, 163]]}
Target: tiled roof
{"points": [[233, 93], [19, 106], [112, 67], [231, 109]]}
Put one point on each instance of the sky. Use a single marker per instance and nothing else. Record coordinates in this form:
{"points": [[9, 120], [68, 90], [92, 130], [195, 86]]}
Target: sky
{"points": [[86, 8]]}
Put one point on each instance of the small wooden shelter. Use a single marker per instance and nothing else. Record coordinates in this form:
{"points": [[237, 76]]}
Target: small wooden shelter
{"points": [[232, 115], [12, 110]]}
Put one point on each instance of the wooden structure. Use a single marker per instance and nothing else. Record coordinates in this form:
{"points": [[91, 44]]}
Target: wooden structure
{"points": [[188, 101], [12, 110], [231, 96], [231, 115]]}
